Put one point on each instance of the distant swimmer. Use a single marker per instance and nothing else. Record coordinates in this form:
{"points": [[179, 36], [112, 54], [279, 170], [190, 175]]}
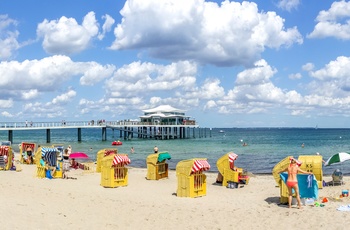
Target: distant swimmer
{"points": [[302, 145], [245, 144]]}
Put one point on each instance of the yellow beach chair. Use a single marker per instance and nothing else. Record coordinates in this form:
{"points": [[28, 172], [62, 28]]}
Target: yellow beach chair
{"points": [[113, 170], [310, 163], [50, 154], [229, 172], [157, 168], [6, 157], [23, 151], [191, 182]]}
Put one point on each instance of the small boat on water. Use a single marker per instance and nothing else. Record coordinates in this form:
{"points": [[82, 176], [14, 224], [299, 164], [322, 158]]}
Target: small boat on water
{"points": [[221, 131], [117, 143]]}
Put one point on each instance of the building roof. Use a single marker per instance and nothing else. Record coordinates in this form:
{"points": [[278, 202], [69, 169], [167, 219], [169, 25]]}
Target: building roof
{"points": [[163, 109]]}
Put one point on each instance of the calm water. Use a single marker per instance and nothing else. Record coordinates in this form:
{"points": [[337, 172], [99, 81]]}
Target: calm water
{"points": [[266, 147]]}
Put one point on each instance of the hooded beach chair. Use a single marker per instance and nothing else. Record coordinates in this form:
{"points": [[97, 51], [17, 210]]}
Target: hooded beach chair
{"points": [[6, 157], [191, 180], [113, 170], [308, 184], [157, 168], [230, 173], [23, 151], [49, 154]]}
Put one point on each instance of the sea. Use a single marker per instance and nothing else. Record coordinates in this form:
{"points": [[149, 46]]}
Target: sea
{"points": [[265, 147]]}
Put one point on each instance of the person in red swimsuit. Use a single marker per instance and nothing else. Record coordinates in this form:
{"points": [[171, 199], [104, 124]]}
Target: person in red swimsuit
{"points": [[292, 181]]}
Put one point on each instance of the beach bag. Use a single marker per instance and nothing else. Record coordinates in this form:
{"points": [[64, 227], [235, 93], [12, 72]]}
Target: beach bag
{"points": [[48, 174]]}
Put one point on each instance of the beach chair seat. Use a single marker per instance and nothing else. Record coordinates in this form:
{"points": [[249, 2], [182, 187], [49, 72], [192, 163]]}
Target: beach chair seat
{"points": [[337, 177]]}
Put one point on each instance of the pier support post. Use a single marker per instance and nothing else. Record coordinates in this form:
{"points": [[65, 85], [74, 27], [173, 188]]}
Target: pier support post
{"points": [[104, 134], [10, 136], [79, 134], [48, 136]]}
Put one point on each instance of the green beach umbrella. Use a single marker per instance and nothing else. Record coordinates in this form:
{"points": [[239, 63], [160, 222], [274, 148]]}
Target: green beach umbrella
{"points": [[338, 158]]}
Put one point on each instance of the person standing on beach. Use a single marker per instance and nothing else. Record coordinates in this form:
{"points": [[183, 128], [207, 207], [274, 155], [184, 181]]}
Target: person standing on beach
{"points": [[65, 164], [292, 181]]}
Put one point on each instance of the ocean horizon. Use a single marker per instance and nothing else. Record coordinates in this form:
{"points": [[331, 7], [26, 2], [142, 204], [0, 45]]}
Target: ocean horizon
{"points": [[265, 146]]}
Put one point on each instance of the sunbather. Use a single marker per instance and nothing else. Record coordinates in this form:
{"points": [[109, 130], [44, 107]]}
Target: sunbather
{"points": [[74, 164]]}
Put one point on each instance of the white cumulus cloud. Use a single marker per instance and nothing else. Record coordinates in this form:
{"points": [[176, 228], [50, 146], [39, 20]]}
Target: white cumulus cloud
{"points": [[193, 30], [66, 36], [333, 22], [8, 37]]}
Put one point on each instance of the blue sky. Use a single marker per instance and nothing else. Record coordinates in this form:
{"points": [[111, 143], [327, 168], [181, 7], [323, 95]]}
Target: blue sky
{"points": [[263, 63]]}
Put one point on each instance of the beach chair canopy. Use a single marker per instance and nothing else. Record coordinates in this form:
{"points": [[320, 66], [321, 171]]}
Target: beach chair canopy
{"points": [[108, 152], [200, 165], [7, 143], [231, 158], [60, 148], [50, 154], [163, 156], [121, 159], [25, 146], [4, 150]]}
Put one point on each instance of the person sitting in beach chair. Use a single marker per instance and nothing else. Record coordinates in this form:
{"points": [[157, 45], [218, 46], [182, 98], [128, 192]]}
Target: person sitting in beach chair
{"points": [[29, 156], [49, 170]]}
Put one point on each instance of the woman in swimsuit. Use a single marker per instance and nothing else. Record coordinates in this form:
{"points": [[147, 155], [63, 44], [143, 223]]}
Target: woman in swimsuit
{"points": [[292, 181]]}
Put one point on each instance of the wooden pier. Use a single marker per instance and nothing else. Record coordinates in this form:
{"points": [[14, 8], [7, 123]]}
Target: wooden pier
{"points": [[127, 129]]}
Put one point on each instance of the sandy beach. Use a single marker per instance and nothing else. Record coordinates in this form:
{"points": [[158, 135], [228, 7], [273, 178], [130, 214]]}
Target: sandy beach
{"points": [[32, 203]]}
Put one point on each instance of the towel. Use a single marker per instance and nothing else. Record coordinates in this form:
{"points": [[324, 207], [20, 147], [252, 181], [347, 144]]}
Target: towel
{"points": [[345, 208], [309, 181], [304, 190]]}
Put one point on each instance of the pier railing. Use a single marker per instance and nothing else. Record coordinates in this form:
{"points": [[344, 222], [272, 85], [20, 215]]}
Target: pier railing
{"points": [[42, 124], [98, 123]]}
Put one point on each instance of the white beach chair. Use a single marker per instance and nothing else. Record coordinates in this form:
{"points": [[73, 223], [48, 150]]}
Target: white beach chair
{"points": [[337, 177]]}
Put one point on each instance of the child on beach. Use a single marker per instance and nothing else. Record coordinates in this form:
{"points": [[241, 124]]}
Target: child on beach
{"points": [[292, 181]]}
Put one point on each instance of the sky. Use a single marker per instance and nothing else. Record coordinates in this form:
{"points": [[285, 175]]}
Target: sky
{"points": [[262, 63]]}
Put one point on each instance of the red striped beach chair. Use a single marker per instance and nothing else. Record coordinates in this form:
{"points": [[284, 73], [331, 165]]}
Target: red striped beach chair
{"points": [[190, 177], [113, 170]]}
